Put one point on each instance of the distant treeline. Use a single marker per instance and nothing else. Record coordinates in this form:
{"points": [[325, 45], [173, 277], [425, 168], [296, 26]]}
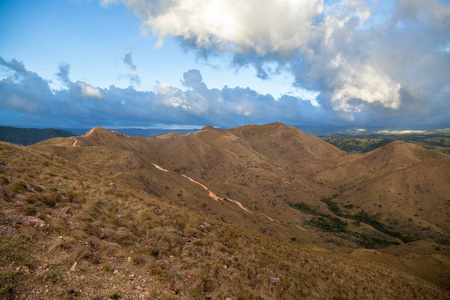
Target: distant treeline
{"points": [[29, 136]]}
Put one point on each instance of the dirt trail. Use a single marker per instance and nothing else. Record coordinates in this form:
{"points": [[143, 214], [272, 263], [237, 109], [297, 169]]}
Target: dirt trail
{"points": [[264, 215], [89, 132], [159, 168], [217, 198], [75, 143], [301, 228]]}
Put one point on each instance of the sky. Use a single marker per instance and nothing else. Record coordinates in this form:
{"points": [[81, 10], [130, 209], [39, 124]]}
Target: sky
{"points": [[225, 63]]}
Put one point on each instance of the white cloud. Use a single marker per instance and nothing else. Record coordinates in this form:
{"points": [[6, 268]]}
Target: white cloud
{"points": [[351, 51], [88, 91], [232, 25], [365, 83]]}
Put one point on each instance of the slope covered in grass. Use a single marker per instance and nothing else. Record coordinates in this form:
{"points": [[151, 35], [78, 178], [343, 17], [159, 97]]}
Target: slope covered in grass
{"points": [[67, 232]]}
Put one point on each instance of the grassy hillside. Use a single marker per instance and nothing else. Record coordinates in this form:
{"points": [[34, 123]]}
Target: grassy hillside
{"points": [[29, 136], [259, 174], [67, 232]]}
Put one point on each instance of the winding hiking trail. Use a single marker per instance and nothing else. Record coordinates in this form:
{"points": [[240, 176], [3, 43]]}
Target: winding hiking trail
{"points": [[89, 132], [86, 134], [217, 198], [159, 168], [300, 228]]}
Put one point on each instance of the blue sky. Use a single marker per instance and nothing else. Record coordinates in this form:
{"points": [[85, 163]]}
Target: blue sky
{"points": [[156, 63]]}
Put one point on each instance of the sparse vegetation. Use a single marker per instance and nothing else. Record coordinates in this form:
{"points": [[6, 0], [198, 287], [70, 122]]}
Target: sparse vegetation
{"points": [[88, 240], [329, 223], [366, 143]]}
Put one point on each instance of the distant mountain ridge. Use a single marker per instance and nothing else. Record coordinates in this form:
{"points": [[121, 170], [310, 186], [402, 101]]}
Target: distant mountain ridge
{"points": [[29, 136]]}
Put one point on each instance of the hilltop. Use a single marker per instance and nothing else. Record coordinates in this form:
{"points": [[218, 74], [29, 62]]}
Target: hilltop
{"points": [[255, 211]]}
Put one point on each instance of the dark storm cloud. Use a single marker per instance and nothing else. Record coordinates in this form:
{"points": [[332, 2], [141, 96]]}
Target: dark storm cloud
{"points": [[26, 98]]}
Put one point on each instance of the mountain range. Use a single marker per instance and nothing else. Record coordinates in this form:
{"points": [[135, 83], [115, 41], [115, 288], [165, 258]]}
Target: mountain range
{"points": [[286, 193]]}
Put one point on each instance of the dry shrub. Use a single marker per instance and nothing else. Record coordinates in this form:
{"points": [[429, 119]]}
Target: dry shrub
{"points": [[165, 241]]}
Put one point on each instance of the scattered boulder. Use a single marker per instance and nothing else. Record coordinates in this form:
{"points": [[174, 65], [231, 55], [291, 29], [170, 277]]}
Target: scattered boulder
{"points": [[23, 270], [274, 280], [204, 225], [25, 220], [44, 188], [30, 188], [111, 184], [19, 197]]}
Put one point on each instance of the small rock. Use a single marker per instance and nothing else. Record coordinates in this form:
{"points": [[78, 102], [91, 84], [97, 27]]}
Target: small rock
{"points": [[44, 188], [74, 267], [19, 197], [111, 184], [225, 267], [274, 280], [30, 188], [33, 221], [129, 259], [228, 299], [115, 272], [23, 270]]}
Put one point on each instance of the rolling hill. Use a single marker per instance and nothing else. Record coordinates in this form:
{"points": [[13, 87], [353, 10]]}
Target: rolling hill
{"points": [[268, 195]]}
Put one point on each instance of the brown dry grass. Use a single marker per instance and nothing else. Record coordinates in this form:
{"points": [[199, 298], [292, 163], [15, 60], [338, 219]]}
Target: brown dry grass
{"points": [[146, 226]]}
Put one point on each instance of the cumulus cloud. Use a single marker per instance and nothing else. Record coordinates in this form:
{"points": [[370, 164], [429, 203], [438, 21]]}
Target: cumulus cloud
{"points": [[26, 97], [88, 91], [132, 73], [382, 58], [78, 88], [231, 24]]}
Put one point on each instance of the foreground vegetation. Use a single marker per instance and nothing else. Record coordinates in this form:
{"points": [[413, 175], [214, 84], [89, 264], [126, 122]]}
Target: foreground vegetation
{"points": [[67, 233], [338, 223]]}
